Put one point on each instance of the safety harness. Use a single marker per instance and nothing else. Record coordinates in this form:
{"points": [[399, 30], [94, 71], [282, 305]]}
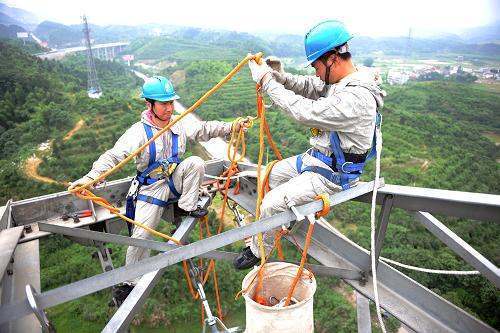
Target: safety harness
{"points": [[144, 177], [341, 171]]}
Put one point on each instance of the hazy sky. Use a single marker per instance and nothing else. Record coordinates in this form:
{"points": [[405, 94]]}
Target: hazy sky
{"points": [[372, 18]]}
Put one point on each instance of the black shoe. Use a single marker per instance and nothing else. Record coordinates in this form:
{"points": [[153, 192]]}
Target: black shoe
{"points": [[121, 292], [246, 259], [197, 213]]}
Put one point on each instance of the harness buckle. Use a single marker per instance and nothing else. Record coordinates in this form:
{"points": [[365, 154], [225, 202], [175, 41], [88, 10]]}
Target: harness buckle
{"points": [[344, 164], [134, 188]]}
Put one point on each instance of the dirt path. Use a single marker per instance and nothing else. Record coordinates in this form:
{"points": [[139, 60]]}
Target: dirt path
{"points": [[75, 129], [31, 170], [32, 163], [425, 165]]}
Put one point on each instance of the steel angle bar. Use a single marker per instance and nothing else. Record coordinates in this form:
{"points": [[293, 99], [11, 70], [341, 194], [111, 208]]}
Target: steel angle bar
{"points": [[384, 221], [407, 300], [162, 246], [25, 270], [8, 242], [363, 314], [460, 247], [479, 206], [248, 189], [5, 215], [137, 297]]}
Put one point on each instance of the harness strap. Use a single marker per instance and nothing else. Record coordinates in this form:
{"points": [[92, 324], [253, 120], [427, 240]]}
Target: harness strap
{"points": [[154, 201], [347, 171], [144, 178], [172, 188], [152, 146]]}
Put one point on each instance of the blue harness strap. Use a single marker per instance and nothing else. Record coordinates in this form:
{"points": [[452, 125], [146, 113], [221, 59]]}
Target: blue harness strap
{"points": [[347, 171], [144, 178], [327, 173], [152, 146]]}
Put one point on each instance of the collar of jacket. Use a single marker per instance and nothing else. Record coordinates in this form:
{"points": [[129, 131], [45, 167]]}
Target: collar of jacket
{"points": [[176, 128]]}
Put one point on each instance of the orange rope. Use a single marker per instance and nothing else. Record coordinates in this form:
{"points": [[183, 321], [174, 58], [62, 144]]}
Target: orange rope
{"points": [[210, 268], [217, 295], [281, 232], [277, 241], [302, 262], [324, 211]]}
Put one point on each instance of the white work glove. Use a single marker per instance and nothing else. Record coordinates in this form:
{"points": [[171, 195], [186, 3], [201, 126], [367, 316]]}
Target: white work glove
{"points": [[82, 181], [275, 63], [258, 71], [277, 67]]}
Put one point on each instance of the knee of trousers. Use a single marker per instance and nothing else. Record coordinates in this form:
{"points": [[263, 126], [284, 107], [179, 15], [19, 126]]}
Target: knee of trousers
{"points": [[195, 163], [273, 202]]}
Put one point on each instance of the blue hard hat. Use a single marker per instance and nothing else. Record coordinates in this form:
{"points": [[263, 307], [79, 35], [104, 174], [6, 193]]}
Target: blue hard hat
{"points": [[159, 88], [325, 37]]}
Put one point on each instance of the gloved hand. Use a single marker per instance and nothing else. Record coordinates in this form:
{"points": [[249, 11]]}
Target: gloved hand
{"points": [[275, 63], [82, 181], [258, 71], [245, 122], [277, 67]]}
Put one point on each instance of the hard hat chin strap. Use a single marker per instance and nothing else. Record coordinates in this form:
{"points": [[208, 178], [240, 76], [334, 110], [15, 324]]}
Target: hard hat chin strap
{"points": [[327, 71], [152, 102]]}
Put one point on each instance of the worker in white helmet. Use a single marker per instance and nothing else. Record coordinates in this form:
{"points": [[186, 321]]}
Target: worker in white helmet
{"points": [[339, 104]]}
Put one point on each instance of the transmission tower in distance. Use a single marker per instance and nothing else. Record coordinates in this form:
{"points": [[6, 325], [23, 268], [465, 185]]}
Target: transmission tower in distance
{"points": [[93, 87], [409, 43]]}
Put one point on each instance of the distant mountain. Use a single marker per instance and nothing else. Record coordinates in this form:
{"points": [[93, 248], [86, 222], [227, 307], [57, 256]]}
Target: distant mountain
{"points": [[486, 34], [223, 38], [288, 45], [18, 16], [7, 20], [10, 31], [59, 35]]}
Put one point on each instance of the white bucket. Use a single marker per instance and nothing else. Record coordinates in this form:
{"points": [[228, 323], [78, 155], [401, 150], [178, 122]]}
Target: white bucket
{"points": [[278, 277]]}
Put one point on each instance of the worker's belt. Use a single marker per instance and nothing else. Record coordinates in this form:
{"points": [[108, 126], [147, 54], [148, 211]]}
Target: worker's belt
{"points": [[155, 201], [331, 161], [147, 180], [328, 173]]}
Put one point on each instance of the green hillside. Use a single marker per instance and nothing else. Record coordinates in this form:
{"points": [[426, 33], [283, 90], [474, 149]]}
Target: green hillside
{"points": [[436, 134], [42, 100]]}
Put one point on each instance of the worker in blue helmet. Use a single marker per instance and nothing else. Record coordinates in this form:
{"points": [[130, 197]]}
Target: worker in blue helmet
{"points": [[339, 104], [163, 176]]}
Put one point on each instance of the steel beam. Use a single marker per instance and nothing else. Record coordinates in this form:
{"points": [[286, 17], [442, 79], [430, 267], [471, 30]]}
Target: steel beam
{"points": [[5, 217], [363, 314], [105, 280], [384, 221], [133, 303], [24, 270], [460, 247], [479, 206], [162, 247], [8, 243]]}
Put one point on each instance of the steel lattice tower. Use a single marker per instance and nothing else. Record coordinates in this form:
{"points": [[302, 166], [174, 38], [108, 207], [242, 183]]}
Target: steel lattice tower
{"points": [[93, 87]]}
